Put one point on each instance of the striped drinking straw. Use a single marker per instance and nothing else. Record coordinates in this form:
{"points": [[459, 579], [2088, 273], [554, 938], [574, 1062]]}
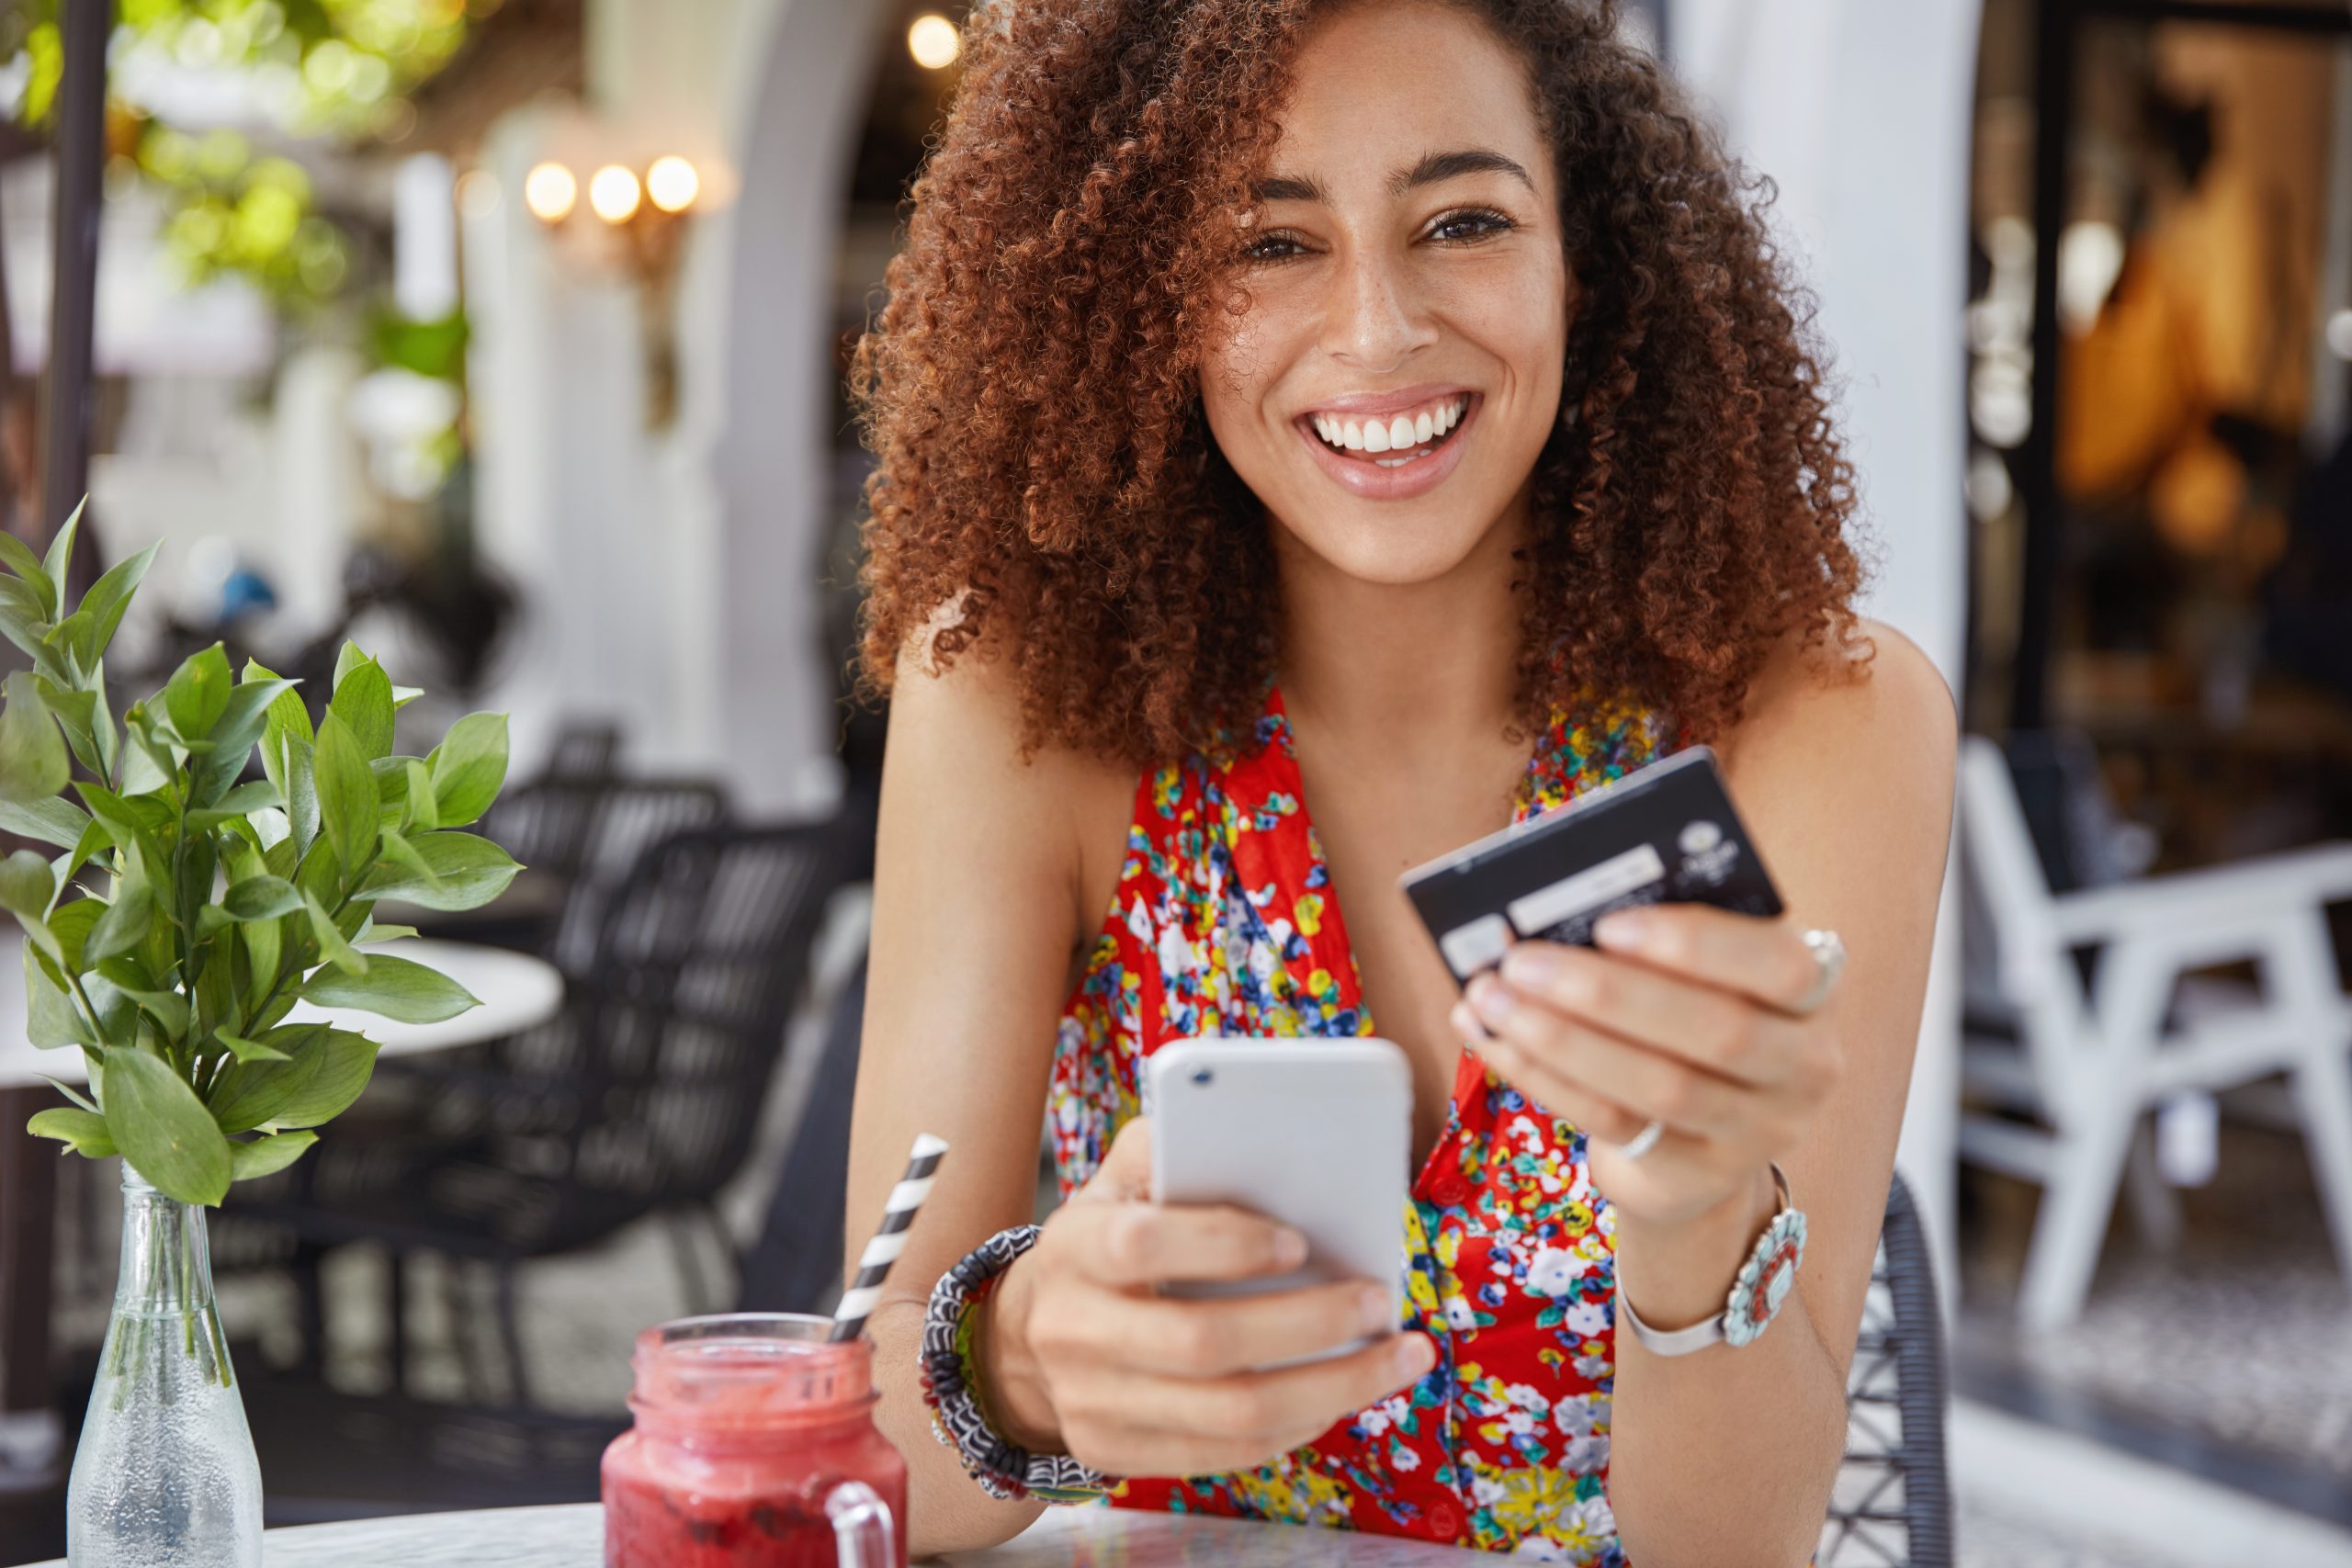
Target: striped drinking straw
{"points": [[873, 1264]]}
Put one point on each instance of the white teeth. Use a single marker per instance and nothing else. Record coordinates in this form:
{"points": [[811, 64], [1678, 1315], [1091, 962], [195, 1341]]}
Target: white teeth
{"points": [[1399, 433]]}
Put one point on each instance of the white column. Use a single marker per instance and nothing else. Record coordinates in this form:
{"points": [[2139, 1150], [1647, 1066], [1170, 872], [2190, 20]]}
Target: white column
{"points": [[1861, 110]]}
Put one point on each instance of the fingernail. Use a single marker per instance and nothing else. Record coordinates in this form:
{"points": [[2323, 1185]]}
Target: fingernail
{"points": [[1289, 1248], [1465, 1024], [1623, 928], [1375, 1310], [1491, 999], [1416, 1356], [1529, 964]]}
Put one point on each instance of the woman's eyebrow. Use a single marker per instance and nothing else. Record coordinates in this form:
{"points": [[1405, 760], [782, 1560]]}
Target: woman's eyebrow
{"points": [[1432, 169]]}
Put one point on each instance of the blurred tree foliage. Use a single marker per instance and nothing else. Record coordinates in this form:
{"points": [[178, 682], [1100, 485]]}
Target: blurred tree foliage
{"points": [[309, 68]]}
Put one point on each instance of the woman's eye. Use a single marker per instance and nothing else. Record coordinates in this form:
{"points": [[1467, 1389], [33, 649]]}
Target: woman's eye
{"points": [[1258, 250], [1473, 225]]}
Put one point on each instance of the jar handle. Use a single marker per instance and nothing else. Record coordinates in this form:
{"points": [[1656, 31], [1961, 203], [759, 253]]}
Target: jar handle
{"points": [[862, 1526]]}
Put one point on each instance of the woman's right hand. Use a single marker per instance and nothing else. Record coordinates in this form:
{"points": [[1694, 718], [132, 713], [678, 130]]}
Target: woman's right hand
{"points": [[1079, 1356]]}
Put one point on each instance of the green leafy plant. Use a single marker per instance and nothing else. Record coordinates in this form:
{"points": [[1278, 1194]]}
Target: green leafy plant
{"points": [[223, 902]]}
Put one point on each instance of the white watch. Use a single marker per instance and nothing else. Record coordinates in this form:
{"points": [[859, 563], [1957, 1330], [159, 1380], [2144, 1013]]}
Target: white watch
{"points": [[1757, 1291]]}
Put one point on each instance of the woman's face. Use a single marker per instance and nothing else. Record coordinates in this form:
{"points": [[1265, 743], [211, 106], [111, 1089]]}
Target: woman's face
{"points": [[1398, 370]]}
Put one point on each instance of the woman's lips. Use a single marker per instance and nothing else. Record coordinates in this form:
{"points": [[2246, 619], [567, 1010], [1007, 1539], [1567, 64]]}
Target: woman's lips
{"points": [[1362, 476]]}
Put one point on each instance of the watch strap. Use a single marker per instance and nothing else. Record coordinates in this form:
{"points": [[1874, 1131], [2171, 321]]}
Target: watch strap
{"points": [[1776, 1250]]}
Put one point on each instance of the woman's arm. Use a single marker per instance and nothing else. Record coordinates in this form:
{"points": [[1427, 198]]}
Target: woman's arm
{"points": [[975, 915], [1729, 1455]]}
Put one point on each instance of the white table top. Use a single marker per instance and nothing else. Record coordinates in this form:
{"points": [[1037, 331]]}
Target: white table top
{"points": [[573, 1537], [517, 991]]}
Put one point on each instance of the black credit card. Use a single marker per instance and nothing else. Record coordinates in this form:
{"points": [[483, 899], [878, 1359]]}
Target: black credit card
{"points": [[1664, 833]]}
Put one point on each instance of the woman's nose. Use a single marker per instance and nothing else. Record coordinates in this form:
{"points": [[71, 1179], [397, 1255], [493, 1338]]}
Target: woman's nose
{"points": [[1372, 318]]}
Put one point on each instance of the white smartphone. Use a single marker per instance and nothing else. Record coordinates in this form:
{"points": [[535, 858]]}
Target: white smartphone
{"points": [[1315, 1134]]}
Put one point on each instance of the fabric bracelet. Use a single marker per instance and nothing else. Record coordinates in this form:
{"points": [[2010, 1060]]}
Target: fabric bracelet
{"points": [[951, 1386]]}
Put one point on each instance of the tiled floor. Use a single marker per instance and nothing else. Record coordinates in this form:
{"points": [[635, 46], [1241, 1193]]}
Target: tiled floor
{"points": [[2231, 1353]]}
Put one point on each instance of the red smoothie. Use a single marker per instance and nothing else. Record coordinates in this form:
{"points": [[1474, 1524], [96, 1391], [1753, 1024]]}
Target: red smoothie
{"points": [[755, 1447]]}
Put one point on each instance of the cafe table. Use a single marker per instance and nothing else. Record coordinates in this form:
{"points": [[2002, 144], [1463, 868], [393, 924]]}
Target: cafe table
{"points": [[516, 990], [573, 1537]]}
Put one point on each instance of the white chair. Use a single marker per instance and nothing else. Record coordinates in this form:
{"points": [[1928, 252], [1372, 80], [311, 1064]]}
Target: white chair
{"points": [[2091, 1066]]}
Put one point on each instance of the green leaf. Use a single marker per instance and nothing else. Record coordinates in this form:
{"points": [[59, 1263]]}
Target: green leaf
{"points": [[53, 819], [60, 549], [163, 1129], [109, 596], [363, 700], [394, 988], [26, 884], [301, 784], [22, 561], [124, 925], [287, 716], [251, 1050], [75, 1095], [372, 931], [403, 695], [72, 924], [212, 919], [198, 694], [22, 619], [424, 805], [77, 711], [84, 1130], [469, 766], [401, 859], [94, 840], [350, 657], [126, 818], [109, 742], [33, 764], [242, 719], [332, 947], [263, 944], [260, 898], [168, 1009], [51, 1018], [462, 870], [265, 1157], [347, 799], [325, 1071]]}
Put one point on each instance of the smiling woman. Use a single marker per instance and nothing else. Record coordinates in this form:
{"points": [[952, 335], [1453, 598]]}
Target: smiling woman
{"points": [[1394, 404]]}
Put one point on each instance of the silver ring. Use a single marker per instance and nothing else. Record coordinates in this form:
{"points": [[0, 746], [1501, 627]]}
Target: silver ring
{"points": [[1829, 952], [1644, 1141]]}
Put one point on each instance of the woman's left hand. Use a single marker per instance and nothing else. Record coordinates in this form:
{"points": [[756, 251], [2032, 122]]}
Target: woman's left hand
{"points": [[1685, 1019]]}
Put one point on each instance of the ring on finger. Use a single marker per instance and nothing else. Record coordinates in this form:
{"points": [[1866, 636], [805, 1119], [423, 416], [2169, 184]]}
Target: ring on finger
{"points": [[1829, 958]]}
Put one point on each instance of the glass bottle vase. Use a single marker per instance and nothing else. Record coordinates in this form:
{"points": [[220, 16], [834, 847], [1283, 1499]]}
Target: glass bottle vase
{"points": [[164, 1475]]}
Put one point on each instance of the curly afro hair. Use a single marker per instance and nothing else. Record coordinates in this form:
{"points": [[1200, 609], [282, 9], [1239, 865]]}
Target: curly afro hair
{"points": [[1047, 491]]}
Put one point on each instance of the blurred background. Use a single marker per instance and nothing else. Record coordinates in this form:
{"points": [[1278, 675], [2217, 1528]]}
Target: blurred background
{"points": [[507, 337]]}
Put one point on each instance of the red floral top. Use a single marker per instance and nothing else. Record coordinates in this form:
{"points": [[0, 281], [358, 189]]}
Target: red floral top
{"points": [[1224, 923]]}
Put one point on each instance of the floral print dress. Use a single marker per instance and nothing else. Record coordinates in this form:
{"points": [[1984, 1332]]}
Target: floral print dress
{"points": [[1224, 923]]}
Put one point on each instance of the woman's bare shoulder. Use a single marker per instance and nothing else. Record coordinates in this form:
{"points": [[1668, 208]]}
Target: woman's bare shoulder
{"points": [[1855, 744], [955, 752]]}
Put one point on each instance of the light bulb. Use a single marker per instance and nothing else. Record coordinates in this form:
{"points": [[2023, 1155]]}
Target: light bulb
{"points": [[672, 184], [613, 194], [548, 190], [933, 41]]}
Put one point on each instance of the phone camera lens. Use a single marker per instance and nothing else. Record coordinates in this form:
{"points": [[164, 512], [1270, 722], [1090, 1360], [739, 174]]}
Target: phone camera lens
{"points": [[1202, 1076]]}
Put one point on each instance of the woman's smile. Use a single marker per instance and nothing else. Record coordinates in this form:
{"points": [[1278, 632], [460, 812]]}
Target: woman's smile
{"points": [[1391, 447]]}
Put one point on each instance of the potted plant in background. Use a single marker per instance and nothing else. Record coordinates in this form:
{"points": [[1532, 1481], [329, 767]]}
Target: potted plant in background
{"points": [[190, 909]]}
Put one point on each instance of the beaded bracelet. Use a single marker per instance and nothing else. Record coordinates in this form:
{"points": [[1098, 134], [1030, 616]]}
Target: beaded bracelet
{"points": [[951, 1386]]}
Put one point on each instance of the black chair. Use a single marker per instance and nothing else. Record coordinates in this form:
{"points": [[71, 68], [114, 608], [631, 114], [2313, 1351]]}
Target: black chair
{"points": [[795, 1264], [1893, 1507], [642, 1098]]}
